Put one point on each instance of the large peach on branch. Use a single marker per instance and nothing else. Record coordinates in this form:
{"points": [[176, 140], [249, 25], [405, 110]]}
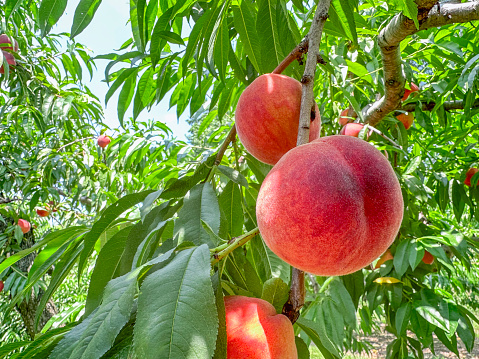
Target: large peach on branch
{"points": [[330, 207], [255, 331], [267, 117]]}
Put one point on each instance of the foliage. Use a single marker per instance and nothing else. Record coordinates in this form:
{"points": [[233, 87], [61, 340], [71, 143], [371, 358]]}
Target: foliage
{"points": [[154, 278]]}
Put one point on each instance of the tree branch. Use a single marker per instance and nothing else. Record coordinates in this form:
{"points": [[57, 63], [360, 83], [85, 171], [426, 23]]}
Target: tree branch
{"points": [[296, 54], [429, 106], [297, 293], [429, 15]]}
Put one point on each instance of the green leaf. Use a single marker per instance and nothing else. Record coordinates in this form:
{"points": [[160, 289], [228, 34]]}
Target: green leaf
{"points": [[409, 9], [125, 97], [144, 91], [245, 25], [200, 203], [230, 202], [401, 258], [108, 217], [60, 234], [221, 49], [103, 325], [182, 185], [62, 269], [276, 292], [343, 302], [84, 13], [171, 322], [105, 268], [49, 13], [233, 175], [137, 13], [124, 75], [221, 341], [268, 34], [302, 348], [402, 318], [11, 6], [171, 37], [158, 40], [345, 13], [315, 332]]}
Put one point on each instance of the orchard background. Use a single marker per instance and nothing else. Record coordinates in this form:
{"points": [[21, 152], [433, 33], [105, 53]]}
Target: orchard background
{"points": [[144, 237]]}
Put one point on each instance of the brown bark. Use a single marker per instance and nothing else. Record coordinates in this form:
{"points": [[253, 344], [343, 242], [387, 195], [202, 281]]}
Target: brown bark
{"points": [[430, 14]]}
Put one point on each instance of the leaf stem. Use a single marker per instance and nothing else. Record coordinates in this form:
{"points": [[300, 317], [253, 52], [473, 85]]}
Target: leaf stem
{"points": [[222, 251]]}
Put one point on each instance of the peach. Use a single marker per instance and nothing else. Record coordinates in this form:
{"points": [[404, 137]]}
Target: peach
{"points": [[428, 258], [407, 119], [383, 259], [4, 40], [351, 129], [407, 92], [470, 172], [255, 331], [267, 117], [1, 286], [103, 141], [343, 118], [42, 212], [10, 60], [330, 207], [24, 225]]}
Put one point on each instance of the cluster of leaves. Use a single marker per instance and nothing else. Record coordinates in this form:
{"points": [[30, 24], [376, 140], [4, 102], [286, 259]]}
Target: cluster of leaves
{"points": [[152, 282]]}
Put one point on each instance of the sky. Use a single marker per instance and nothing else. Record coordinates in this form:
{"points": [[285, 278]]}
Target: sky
{"points": [[107, 32]]}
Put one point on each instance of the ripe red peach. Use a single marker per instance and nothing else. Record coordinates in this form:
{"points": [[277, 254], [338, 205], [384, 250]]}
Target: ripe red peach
{"points": [[103, 141], [24, 225], [470, 172], [407, 92], [1, 286], [42, 212], [10, 60], [351, 129], [330, 207], [407, 119], [428, 258], [267, 117], [255, 331], [6, 43]]}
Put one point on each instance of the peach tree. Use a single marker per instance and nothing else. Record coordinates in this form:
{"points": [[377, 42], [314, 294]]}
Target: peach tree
{"points": [[166, 255]]}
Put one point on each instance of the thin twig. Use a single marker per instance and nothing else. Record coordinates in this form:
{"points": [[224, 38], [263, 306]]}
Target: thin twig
{"points": [[234, 243], [79, 140], [297, 292], [296, 54]]}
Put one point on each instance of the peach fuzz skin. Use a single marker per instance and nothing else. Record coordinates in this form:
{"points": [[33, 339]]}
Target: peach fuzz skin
{"points": [[330, 207], [267, 117], [255, 331]]}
